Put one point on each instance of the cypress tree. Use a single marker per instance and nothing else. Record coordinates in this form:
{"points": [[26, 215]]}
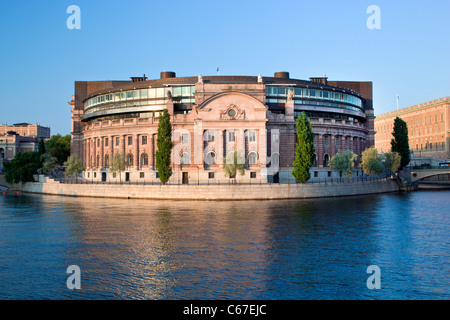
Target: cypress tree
{"points": [[400, 141], [304, 151], [164, 143]]}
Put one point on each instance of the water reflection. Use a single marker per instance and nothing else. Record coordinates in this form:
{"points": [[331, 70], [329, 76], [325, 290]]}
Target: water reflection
{"points": [[295, 249]]}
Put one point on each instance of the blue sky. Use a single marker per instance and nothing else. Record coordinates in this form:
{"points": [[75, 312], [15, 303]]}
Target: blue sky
{"points": [[41, 58]]}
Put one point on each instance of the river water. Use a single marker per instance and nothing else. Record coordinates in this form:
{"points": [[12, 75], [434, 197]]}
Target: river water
{"points": [[295, 249]]}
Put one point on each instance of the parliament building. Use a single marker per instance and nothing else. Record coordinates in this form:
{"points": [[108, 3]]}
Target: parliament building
{"points": [[214, 116]]}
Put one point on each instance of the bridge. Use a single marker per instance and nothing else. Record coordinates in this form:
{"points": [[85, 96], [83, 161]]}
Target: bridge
{"points": [[419, 174]]}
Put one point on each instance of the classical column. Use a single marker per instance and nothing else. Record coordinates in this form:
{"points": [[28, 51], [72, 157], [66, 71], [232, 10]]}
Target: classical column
{"points": [[219, 148], [333, 145], [136, 151], [320, 150], [111, 150], [123, 145], [94, 152], [102, 153], [86, 153], [343, 142], [152, 160], [350, 143]]}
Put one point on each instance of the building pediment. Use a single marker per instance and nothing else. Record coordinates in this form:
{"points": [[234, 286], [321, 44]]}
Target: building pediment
{"points": [[232, 106]]}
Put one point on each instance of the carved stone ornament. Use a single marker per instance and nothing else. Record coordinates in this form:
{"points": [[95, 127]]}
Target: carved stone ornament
{"points": [[290, 95], [232, 112]]}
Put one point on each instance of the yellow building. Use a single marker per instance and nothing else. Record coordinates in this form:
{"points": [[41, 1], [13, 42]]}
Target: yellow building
{"points": [[428, 128]]}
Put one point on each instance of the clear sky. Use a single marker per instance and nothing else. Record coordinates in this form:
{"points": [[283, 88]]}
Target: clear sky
{"points": [[41, 58]]}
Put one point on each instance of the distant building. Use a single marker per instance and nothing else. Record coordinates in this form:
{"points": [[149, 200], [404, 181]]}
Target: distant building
{"points": [[428, 128], [20, 137]]}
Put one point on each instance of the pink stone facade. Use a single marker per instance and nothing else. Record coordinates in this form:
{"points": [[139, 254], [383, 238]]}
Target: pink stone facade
{"points": [[219, 115]]}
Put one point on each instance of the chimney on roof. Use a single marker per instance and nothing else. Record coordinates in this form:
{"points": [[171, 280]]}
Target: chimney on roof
{"points": [[138, 79], [281, 74], [322, 80]]}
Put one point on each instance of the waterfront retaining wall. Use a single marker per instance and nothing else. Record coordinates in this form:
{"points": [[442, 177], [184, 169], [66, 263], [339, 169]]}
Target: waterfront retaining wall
{"points": [[210, 192]]}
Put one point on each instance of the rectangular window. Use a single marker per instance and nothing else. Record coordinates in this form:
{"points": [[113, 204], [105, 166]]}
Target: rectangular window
{"points": [[106, 142], [252, 175], [177, 91], [252, 136], [160, 93], [130, 141], [275, 138], [316, 174], [117, 141], [231, 136], [98, 143], [144, 140], [141, 175], [210, 175], [210, 136], [130, 94], [186, 91], [281, 91], [185, 138]]}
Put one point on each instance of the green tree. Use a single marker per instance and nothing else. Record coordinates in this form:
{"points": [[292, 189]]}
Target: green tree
{"points": [[232, 164], [164, 144], [343, 162], [371, 162], [59, 147], [49, 163], [304, 151], [74, 166], [392, 161], [22, 167], [400, 141], [118, 165], [41, 147]]}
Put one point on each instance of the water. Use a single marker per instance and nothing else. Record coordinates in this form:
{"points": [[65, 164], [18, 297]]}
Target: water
{"points": [[297, 249]]}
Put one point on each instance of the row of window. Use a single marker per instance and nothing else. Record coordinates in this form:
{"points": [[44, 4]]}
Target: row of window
{"points": [[278, 91], [209, 135], [139, 94], [211, 175], [185, 159], [429, 146], [411, 122]]}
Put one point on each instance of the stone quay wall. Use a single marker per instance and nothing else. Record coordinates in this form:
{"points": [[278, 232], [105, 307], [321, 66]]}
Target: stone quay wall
{"points": [[209, 192]]}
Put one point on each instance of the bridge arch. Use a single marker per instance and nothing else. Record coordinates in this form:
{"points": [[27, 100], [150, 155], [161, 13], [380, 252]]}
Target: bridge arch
{"points": [[417, 175]]}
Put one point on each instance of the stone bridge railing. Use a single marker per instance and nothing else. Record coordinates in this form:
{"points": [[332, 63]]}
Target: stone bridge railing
{"points": [[418, 174]]}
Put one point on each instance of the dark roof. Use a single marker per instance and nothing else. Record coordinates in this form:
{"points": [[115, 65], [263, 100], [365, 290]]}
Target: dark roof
{"points": [[219, 79]]}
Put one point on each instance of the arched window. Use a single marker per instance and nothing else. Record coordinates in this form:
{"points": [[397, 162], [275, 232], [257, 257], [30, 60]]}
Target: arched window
{"points": [[130, 160], [106, 161], [314, 163], [252, 157], [326, 159], [275, 159], [144, 159], [210, 158], [185, 158]]}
